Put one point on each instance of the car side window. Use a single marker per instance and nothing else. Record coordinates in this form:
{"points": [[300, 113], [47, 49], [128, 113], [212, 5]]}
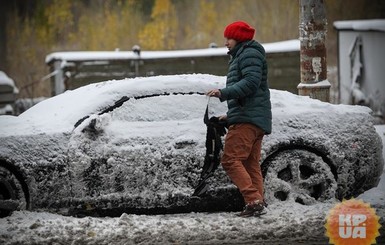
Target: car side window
{"points": [[166, 107]]}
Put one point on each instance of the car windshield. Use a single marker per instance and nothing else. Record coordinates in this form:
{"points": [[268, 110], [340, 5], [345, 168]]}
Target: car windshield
{"points": [[168, 107]]}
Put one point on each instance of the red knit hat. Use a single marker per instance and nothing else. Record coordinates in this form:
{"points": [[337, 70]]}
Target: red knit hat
{"points": [[239, 31]]}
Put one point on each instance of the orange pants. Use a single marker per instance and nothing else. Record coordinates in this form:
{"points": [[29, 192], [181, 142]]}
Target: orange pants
{"points": [[240, 160]]}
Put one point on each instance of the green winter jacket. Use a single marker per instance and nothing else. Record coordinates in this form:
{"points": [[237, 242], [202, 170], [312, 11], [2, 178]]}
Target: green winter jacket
{"points": [[247, 92]]}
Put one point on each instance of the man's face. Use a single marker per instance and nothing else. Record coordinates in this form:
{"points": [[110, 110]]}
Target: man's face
{"points": [[230, 43]]}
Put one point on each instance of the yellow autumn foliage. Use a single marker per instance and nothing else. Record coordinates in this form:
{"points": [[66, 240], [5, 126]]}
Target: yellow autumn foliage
{"points": [[160, 32]]}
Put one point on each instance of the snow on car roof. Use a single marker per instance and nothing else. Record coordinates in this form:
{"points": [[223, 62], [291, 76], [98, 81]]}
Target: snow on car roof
{"points": [[282, 46], [61, 112], [361, 25]]}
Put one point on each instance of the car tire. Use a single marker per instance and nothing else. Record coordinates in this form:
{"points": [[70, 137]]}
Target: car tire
{"points": [[12, 193], [298, 175]]}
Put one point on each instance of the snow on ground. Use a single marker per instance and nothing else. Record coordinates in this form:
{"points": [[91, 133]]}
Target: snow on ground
{"points": [[282, 223], [285, 223]]}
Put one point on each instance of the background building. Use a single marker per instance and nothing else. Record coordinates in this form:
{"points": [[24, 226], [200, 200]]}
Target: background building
{"points": [[361, 65]]}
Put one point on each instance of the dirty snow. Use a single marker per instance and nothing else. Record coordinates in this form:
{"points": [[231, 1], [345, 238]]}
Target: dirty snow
{"points": [[285, 222]]}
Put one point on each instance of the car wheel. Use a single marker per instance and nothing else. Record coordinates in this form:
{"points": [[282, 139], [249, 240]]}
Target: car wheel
{"points": [[298, 175], [12, 195]]}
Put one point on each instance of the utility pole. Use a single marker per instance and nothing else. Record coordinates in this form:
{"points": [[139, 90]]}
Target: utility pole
{"points": [[136, 49], [312, 35]]}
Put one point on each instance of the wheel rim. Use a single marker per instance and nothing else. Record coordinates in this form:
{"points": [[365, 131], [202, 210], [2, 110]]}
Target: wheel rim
{"points": [[300, 176], [12, 196]]}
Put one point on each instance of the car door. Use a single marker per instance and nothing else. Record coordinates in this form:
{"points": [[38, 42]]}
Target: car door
{"points": [[145, 153]]}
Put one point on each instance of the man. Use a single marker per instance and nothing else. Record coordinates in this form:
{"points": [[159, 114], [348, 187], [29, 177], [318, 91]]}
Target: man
{"points": [[248, 116]]}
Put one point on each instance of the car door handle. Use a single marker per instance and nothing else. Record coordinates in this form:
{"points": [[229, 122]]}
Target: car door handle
{"points": [[184, 143]]}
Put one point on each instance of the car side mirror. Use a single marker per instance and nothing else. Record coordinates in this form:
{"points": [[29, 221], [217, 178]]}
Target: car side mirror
{"points": [[91, 127]]}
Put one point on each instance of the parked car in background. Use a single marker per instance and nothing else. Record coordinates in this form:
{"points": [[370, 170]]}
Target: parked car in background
{"points": [[138, 145], [8, 94]]}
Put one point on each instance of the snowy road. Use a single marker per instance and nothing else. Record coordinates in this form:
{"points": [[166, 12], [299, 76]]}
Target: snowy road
{"points": [[284, 222]]}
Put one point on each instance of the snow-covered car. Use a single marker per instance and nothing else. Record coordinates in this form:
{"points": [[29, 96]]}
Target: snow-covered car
{"points": [[138, 146]]}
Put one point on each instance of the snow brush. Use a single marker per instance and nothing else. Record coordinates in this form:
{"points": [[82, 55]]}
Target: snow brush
{"points": [[215, 130]]}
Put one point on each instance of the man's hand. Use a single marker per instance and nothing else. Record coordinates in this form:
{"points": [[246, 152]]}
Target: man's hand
{"points": [[214, 93]]}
